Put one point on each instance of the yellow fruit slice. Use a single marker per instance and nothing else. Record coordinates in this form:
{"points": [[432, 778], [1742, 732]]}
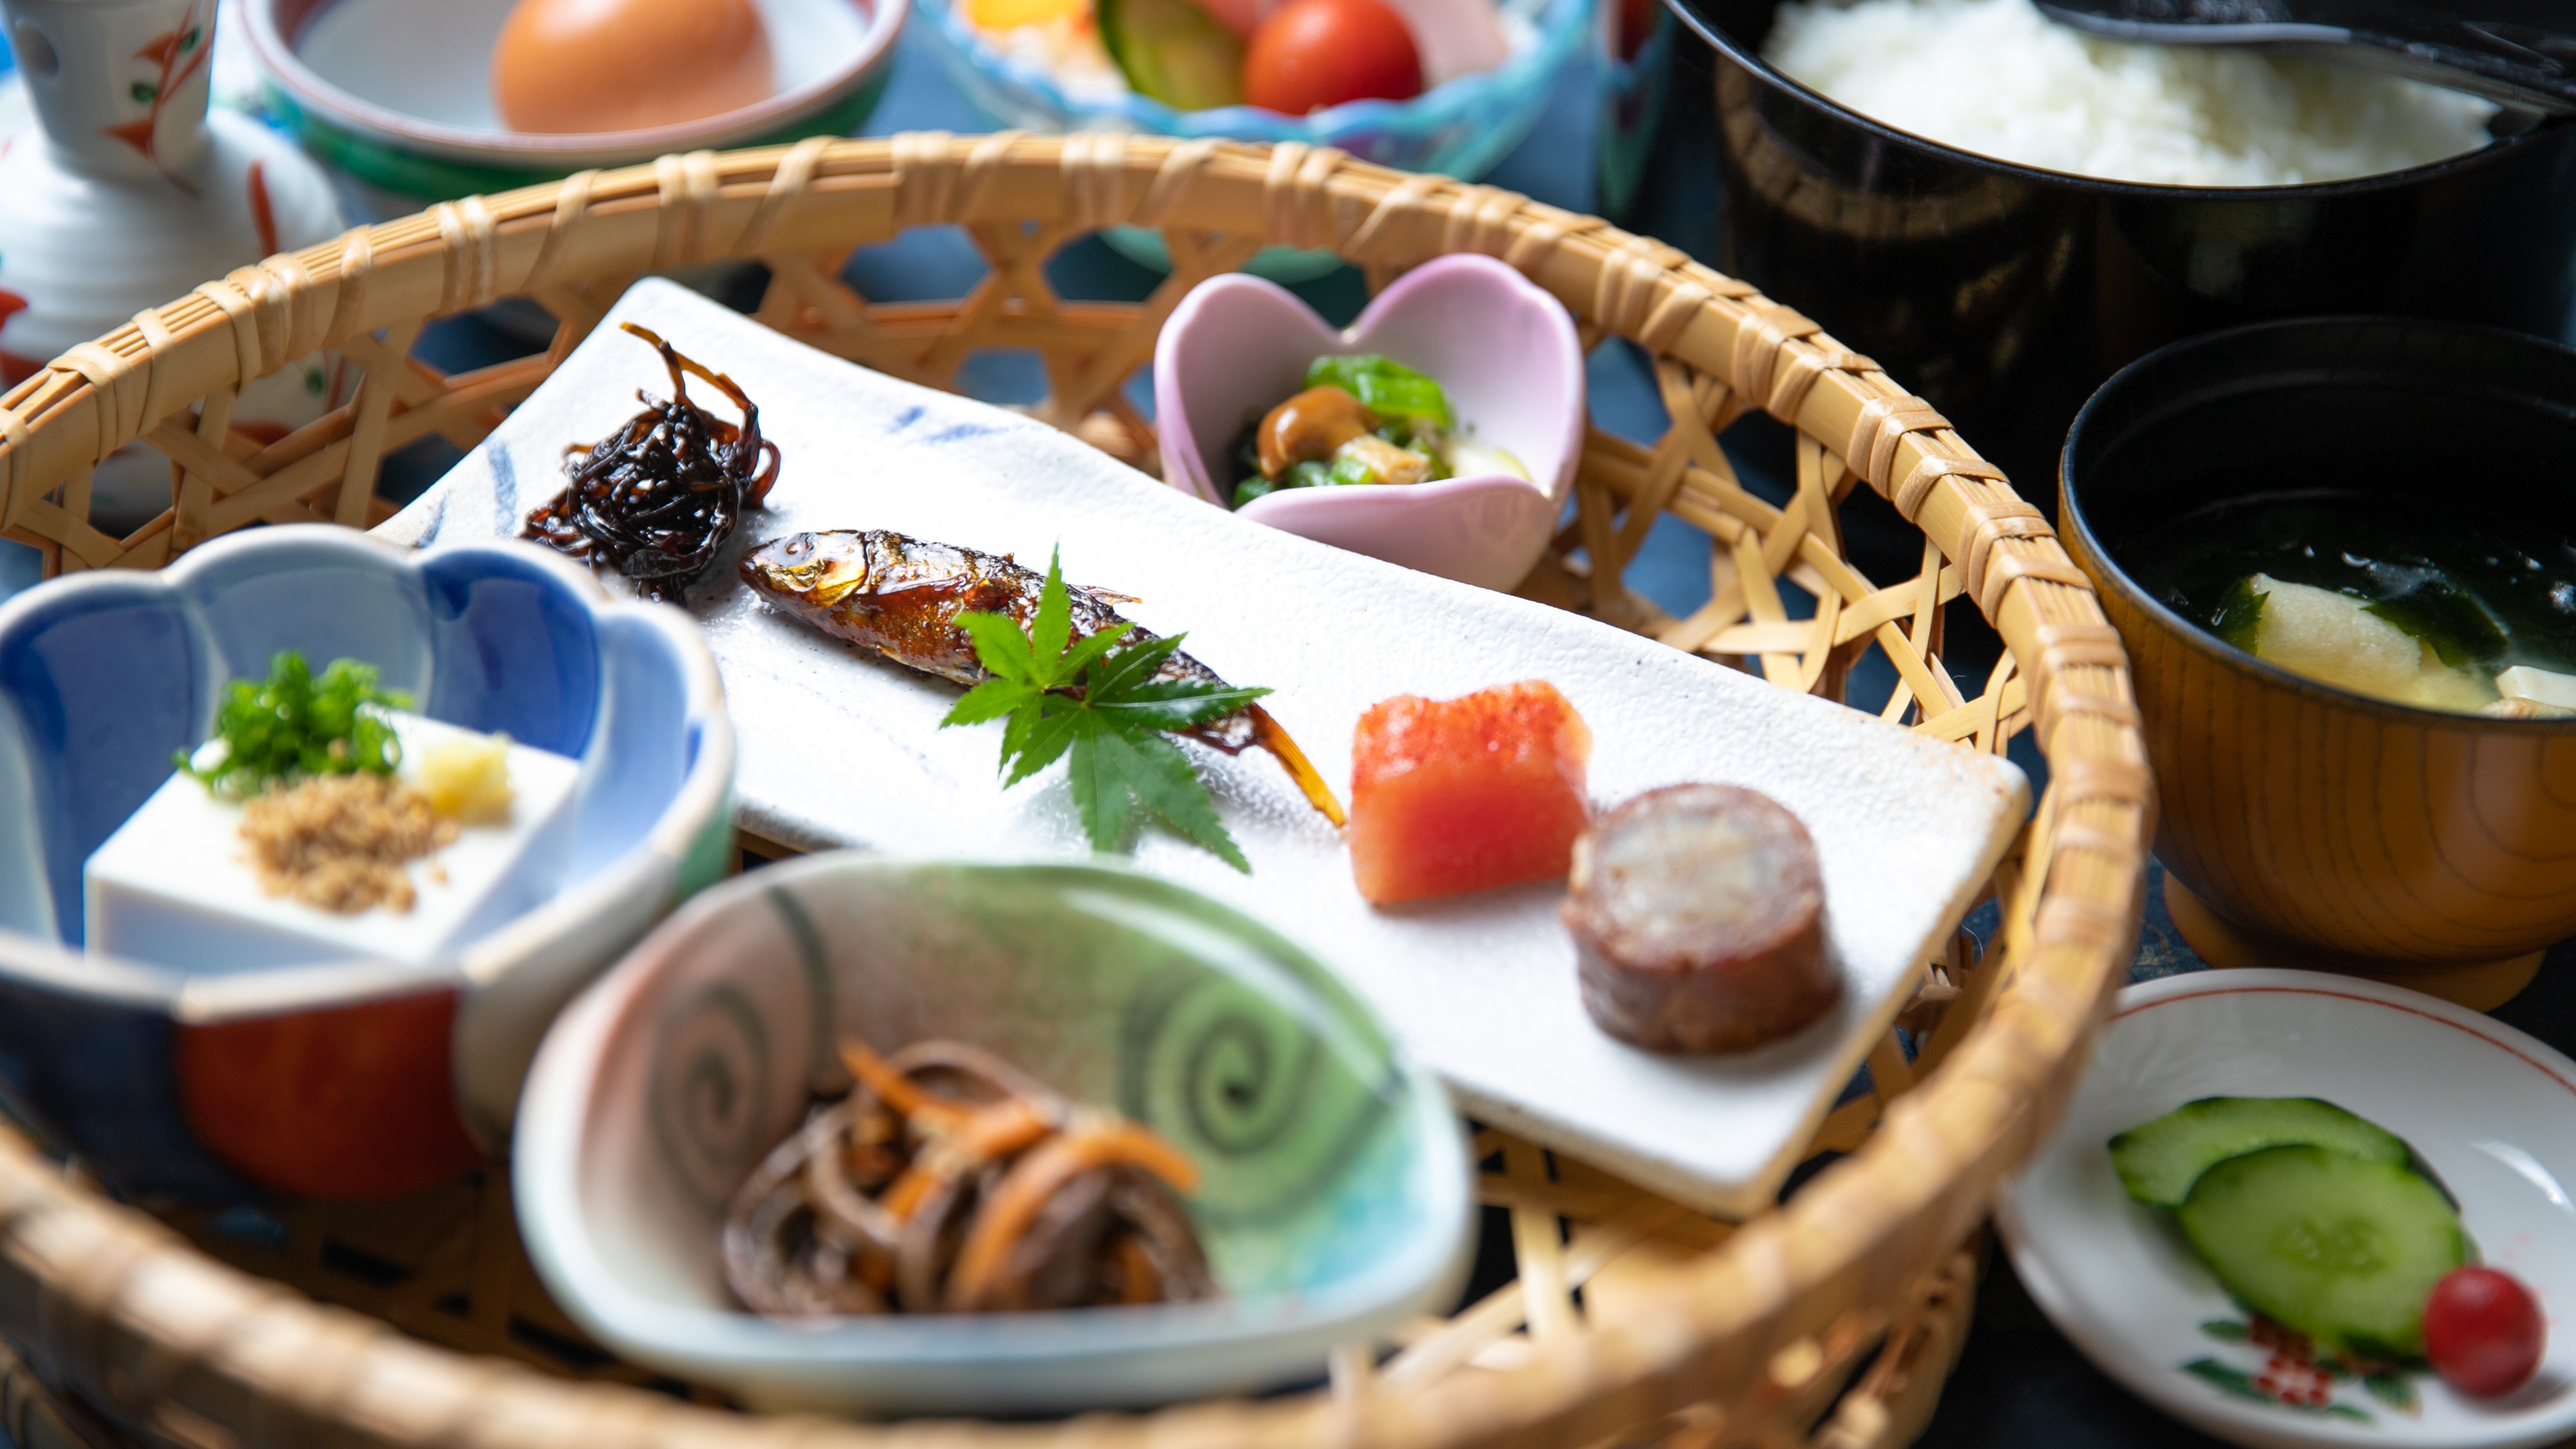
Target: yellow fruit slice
{"points": [[1012, 14]]}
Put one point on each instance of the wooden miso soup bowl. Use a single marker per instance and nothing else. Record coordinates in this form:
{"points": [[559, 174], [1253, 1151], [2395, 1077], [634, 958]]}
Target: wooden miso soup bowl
{"points": [[2303, 824]]}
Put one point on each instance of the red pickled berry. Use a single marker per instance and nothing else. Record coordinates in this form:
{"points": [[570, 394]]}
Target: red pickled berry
{"points": [[2483, 1331]]}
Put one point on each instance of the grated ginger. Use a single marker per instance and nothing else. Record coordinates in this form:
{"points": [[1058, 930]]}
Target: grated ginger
{"points": [[468, 780]]}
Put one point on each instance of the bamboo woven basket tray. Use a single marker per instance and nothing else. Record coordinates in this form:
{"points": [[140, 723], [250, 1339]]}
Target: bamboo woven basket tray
{"points": [[1831, 1321]]}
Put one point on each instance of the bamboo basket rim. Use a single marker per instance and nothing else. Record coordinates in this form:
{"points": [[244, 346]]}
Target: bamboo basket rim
{"points": [[110, 1298]]}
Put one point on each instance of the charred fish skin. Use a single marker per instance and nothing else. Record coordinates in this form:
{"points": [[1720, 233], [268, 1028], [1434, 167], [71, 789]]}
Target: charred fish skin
{"points": [[901, 596]]}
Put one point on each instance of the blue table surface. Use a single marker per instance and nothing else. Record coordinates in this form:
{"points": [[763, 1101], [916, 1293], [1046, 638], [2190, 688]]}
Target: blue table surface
{"points": [[2019, 1382]]}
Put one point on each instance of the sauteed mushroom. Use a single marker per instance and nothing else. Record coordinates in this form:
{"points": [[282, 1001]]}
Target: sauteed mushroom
{"points": [[1308, 427]]}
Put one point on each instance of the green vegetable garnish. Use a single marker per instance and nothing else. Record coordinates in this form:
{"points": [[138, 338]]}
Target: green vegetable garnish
{"points": [[1348, 470], [1100, 707], [295, 725], [1389, 389], [2239, 620]]}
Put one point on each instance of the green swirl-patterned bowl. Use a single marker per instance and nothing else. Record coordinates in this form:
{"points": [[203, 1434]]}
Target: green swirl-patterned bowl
{"points": [[1335, 1192]]}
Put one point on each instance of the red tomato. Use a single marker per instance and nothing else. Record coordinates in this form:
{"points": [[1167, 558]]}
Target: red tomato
{"points": [[1315, 53], [2483, 1332]]}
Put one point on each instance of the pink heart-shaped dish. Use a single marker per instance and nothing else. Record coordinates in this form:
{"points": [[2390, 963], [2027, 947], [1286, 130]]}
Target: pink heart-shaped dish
{"points": [[1504, 350]]}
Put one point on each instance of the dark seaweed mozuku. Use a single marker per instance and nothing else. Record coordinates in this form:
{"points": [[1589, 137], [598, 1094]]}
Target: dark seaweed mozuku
{"points": [[656, 500]]}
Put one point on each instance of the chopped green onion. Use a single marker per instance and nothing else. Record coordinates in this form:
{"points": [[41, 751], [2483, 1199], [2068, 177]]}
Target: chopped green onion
{"points": [[1348, 470], [295, 725], [1309, 474], [1250, 488]]}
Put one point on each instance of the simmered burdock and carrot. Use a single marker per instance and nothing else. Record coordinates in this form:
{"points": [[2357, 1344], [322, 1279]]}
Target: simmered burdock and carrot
{"points": [[950, 1182]]}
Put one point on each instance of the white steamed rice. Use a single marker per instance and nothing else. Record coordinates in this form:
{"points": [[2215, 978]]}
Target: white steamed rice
{"points": [[1999, 78]]}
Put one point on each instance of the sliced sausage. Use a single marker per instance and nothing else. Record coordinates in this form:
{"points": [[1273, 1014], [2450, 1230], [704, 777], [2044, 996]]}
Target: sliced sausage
{"points": [[1698, 921]]}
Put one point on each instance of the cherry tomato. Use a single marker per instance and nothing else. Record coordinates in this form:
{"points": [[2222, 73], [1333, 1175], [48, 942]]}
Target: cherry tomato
{"points": [[1315, 53], [2483, 1332]]}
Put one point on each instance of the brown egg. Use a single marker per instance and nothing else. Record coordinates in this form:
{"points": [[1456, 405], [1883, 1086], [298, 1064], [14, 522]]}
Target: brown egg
{"points": [[618, 65]]}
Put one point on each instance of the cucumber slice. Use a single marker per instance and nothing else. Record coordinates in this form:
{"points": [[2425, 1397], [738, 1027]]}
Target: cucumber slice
{"points": [[2158, 1161], [1173, 51], [2342, 1249]]}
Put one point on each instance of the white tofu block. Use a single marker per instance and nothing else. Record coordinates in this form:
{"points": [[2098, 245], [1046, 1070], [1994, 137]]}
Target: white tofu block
{"points": [[174, 885], [2540, 686]]}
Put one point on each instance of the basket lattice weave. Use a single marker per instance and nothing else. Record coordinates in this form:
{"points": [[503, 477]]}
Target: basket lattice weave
{"points": [[1831, 1321]]}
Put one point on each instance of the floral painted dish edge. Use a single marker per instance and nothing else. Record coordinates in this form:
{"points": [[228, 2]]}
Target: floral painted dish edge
{"points": [[1503, 348], [2296, 1398], [763, 948], [159, 1041]]}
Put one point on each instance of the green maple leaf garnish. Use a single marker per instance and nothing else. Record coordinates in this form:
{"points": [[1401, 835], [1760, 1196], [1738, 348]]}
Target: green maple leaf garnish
{"points": [[1098, 707]]}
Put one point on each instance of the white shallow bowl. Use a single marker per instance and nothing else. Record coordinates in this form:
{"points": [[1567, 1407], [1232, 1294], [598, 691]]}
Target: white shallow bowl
{"points": [[1333, 1201], [397, 94], [2490, 1110], [841, 748]]}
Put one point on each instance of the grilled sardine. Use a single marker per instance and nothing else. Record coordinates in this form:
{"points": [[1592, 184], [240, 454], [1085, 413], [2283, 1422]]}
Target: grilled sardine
{"points": [[900, 597]]}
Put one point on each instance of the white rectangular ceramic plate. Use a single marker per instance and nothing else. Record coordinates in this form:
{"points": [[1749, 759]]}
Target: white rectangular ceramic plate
{"points": [[839, 748]]}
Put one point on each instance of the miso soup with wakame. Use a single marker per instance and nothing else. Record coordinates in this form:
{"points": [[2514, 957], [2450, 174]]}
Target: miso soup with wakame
{"points": [[2351, 590]]}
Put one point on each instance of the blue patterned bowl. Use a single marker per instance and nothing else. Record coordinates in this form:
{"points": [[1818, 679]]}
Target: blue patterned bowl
{"points": [[1334, 1194], [1458, 129], [355, 1079]]}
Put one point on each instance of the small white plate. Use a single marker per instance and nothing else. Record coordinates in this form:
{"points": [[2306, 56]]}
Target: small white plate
{"points": [[433, 63], [2492, 1111], [843, 749]]}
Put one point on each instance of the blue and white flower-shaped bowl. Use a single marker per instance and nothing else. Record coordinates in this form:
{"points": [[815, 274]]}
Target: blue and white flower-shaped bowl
{"points": [[356, 1079], [1458, 128], [1333, 1197]]}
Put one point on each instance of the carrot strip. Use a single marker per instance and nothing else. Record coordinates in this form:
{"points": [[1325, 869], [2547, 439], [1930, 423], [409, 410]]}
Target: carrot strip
{"points": [[1138, 1282], [1025, 1190], [997, 1130], [1276, 741], [900, 1092]]}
